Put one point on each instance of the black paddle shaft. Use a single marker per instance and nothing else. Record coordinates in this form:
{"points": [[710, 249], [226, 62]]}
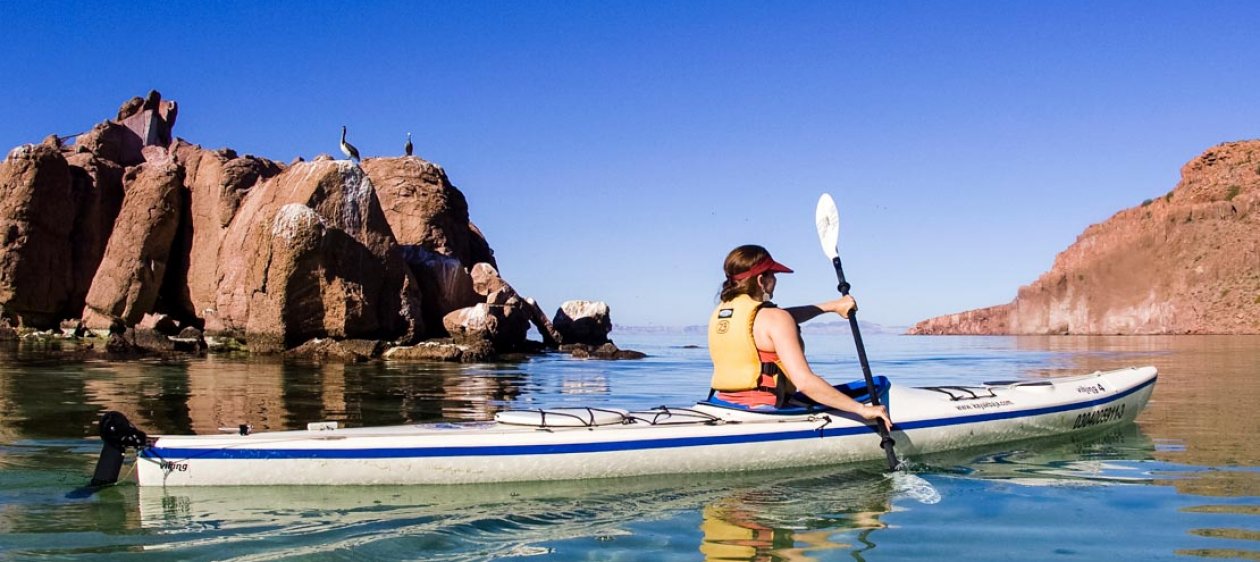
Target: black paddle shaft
{"points": [[886, 440]]}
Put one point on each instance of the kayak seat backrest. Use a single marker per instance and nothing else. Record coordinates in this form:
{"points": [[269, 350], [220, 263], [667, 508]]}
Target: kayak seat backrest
{"points": [[793, 409], [800, 404]]}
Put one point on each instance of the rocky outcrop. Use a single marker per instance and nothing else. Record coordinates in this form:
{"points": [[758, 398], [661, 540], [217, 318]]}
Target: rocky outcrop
{"points": [[504, 325], [445, 286], [991, 320], [216, 181], [1187, 262], [146, 122], [166, 246], [425, 210], [97, 185], [586, 322], [429, 217], [502, 319], [309, 254], [36, 220], [126, 284]]}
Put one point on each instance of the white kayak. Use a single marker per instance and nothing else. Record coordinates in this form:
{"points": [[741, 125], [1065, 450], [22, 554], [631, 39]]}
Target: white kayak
{"points": [[710, 436]]}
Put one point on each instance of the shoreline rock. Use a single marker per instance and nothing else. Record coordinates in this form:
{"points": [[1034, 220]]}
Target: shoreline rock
{"points": [[1182, 263]]}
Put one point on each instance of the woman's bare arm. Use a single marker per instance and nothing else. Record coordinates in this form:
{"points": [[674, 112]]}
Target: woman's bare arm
{"points": [[777, 327], [841, 306]]}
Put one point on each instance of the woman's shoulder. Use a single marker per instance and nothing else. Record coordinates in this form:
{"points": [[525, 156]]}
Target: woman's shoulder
{"points": [[773, 313]]}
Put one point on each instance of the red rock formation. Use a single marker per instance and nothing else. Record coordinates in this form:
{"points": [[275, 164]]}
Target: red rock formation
{"points": [[429, 216], [127, 282], [147, 123], [36, 218], [239, 245], [1184, 263], [310, 254], [502, 319], [424, 209], [503, 326], [216, 181], [98, 197], [445, 284]]}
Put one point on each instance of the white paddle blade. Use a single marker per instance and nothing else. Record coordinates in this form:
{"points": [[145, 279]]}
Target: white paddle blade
{"points": [[827, 219]]}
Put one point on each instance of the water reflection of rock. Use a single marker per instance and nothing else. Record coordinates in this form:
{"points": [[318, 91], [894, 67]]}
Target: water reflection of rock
{"points": [[280, 395], [226, 394], [219, 394], [8, 431], [585, 385]]}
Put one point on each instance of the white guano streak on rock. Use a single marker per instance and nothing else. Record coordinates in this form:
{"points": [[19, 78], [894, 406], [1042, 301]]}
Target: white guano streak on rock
{"points": [[583, 309], [356, 190], [23, 151], [291, 217]]}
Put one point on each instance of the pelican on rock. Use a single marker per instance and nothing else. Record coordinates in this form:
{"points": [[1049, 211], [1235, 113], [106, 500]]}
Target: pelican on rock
{"points": [[348, 149], [407, 147]]}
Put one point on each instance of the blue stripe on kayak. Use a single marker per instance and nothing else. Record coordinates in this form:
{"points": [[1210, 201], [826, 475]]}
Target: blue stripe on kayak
{"points": [[1019, 413], [161, 453]]}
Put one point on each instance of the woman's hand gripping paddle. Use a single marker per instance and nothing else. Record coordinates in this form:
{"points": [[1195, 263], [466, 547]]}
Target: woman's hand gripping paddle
{"points": [[904, 483], [828, 221]]}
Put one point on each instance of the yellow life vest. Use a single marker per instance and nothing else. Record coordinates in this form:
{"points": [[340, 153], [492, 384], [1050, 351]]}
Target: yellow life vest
{"points": [[736, 363]]}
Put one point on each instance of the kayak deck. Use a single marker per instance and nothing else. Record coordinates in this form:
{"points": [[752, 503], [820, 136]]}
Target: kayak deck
{"points": [[598, 442]]}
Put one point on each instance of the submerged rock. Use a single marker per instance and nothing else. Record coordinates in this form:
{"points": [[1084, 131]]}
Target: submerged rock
{"points": [[447, 351], [323, 349], [607, 350]]}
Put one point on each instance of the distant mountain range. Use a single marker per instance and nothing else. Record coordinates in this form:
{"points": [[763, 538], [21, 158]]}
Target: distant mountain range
{"points": [[840, 327]]}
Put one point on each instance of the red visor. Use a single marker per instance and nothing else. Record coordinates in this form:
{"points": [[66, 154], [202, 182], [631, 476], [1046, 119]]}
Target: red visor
{"points": [[765, 265]]}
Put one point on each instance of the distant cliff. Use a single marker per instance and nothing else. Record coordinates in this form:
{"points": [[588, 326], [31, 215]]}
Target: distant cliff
{"points": [[1184, 263]]}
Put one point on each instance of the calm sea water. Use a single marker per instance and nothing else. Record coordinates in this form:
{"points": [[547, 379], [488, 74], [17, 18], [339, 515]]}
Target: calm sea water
{"points": [[1181, 483]]}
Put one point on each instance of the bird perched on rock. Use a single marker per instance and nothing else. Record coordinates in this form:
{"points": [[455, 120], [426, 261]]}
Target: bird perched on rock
{"points": [[348, 149], [407, 147]]}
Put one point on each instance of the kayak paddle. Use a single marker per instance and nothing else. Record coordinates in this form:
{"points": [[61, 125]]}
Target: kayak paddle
{"points": [[828, 222]]}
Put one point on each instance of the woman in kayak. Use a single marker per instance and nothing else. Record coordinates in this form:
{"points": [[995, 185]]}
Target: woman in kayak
{"points": [[758, 355]]}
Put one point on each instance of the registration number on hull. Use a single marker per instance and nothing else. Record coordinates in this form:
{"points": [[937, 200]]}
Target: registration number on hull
{"points": [[1099, 417]]}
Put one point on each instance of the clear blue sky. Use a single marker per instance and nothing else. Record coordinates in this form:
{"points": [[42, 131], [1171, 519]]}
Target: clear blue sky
{"points": [[618, 150]]}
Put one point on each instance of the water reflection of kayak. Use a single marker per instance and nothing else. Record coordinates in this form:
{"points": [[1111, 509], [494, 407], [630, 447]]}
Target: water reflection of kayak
{"points": [[1068, 460], [594, 443], [501, 519]]}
